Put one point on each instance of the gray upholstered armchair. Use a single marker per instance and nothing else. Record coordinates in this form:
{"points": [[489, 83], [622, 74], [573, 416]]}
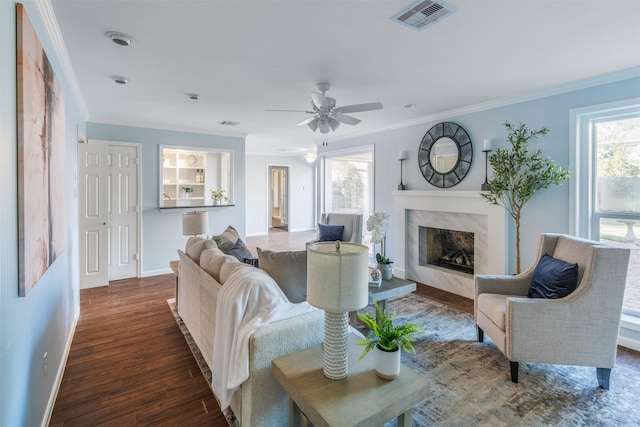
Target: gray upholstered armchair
{"points": [[352, 225], [578, 329]]}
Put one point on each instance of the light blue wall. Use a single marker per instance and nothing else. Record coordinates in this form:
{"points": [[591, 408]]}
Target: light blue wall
{"points": [[42, 321], [548, 211], [301, 193], [162, 230]]}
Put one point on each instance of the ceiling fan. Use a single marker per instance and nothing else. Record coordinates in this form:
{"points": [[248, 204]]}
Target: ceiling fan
{"points": [[326, 116]]}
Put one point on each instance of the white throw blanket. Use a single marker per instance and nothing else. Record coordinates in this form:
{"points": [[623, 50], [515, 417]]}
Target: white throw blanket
{"points": [[249, 299]]}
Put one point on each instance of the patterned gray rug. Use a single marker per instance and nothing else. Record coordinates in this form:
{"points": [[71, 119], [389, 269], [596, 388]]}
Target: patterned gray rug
{"points": [[470, 383]]}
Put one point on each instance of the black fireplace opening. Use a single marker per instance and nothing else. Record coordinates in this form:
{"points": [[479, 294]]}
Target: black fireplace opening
{"points": [[450, 249]]}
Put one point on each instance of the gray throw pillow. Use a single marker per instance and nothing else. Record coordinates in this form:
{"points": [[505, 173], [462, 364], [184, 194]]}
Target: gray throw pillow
{"points": [[288, 269], [227, 238]]}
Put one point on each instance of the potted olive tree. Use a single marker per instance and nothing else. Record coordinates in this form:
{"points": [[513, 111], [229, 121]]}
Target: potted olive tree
{"points": [[519, 174], [387, 339]]}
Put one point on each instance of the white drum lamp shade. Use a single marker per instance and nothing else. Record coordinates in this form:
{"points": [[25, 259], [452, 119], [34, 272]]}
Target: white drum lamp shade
{"points": [[194, 223], [337, 282]]}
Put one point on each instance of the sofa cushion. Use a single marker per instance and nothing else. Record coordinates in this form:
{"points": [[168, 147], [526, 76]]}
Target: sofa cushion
{"points": [[211, 261], [195, 245], [553, 278], [227, 238], [288, 269], [228, 269], [239, 250], [329, 233]]}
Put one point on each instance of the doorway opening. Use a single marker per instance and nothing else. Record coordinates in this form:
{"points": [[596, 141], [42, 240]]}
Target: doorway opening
{"points": [[279, 197]]}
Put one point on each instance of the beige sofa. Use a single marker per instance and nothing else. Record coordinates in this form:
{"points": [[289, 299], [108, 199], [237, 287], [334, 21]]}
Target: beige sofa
{"points": [[261, 401]]}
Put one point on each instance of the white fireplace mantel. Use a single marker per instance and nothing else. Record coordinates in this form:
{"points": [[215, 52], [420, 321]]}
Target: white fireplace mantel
{"points": [[491, 219]]}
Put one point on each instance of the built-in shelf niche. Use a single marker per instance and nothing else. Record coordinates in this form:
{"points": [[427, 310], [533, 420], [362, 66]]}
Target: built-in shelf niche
{"points": [[187, 176]]}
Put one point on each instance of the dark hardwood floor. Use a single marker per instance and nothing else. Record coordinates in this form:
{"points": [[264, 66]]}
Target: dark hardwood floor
{"points": [[130, 365]]}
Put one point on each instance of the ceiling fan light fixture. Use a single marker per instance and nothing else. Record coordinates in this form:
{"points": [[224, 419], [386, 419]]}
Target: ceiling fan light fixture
{"points": [[313, 124], [323, 125], [333, 124]]}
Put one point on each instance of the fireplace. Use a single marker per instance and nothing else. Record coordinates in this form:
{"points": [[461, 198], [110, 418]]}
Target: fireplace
{"points": [[482, 241], [446, 248]]}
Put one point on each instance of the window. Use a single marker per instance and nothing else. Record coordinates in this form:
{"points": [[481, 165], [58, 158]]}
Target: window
{"points": [[348, 183], [607, 190]]}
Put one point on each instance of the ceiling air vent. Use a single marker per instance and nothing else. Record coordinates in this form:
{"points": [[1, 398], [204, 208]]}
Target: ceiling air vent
{"points": [[228, 123], [421, 14]]}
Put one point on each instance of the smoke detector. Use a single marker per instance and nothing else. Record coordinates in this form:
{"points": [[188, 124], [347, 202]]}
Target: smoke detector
{"points": [[422, 14], [118, 38]]}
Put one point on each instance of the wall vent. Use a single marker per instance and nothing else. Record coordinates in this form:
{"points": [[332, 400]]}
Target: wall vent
{"points": [[422, 14]]}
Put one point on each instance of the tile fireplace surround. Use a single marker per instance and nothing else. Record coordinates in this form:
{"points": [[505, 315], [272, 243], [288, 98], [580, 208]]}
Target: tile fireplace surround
{"points": [[453, 210]]}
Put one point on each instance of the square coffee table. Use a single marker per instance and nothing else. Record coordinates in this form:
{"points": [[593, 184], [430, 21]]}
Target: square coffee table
{"points": [[361, 399]]}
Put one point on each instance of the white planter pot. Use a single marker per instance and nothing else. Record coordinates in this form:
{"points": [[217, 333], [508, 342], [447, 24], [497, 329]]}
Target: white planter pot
{"points": [[387, 271], [387, 363]]}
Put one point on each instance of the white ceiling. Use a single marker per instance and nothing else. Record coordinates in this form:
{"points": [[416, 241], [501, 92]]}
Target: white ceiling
{"points": [[243, 57]]}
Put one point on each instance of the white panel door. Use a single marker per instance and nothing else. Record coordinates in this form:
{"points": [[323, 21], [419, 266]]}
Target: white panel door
{"points": [[123, 212], [92, 195]]}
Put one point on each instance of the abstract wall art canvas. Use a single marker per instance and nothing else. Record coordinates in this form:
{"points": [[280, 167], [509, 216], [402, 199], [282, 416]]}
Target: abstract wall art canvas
{"points": [[41, 158]]}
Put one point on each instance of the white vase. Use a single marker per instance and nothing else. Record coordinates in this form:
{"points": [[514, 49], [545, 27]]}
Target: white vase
{"points": [[387, 363]]}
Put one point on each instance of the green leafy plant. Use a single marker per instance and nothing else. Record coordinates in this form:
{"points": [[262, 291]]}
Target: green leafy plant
{"points": [[387, 335], [519, 174], [187, 189], [382, 259], [218, 195]]}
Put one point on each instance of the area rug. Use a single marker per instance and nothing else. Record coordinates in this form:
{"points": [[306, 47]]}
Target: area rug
{"points": [[470, 382], [206, 372]]}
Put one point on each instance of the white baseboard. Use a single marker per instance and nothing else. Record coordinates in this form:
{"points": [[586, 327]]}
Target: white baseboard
{"points": [[160, 272], [58, 381], [629, 343], [629, 330]]}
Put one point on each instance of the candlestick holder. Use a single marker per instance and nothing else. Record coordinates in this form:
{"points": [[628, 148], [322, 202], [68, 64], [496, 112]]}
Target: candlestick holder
{"points": [[401, 186], [485, 186]]}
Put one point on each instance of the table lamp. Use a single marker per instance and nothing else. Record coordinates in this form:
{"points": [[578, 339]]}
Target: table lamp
{"points": [[194, 223], [337, 282]]}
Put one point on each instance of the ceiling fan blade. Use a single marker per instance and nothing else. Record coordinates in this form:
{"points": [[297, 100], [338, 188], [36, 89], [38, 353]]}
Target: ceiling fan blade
{"points": [[313, 124], [319, 100], [306, 121], [333, 124], [357, 108], [295, 111], [350, 120]]}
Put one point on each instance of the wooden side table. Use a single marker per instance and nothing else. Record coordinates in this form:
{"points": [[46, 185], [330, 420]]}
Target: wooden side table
{"points": [[361, 399], [175, 265]]}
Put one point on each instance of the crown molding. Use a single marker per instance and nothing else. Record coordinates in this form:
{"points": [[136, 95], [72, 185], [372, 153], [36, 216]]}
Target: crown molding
{"points": [[45, 9], [503, 102]]}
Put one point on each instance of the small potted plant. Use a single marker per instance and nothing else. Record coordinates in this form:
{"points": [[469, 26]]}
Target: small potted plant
{"points": [[188, 191], [218, 196], [387, 339], [385, 265]]}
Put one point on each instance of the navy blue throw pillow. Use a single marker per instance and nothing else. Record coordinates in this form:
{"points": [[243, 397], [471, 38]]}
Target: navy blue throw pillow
{"points": [[239, 250], [553, 278], [330, 233]]}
